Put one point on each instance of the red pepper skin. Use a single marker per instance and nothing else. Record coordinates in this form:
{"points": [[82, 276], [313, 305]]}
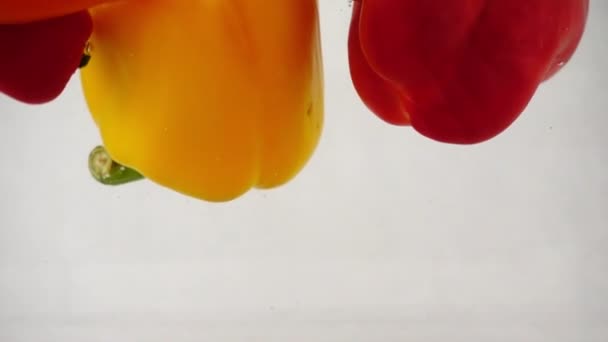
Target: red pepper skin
{"points": [[459, 71], [379, 94], [39, 58]]}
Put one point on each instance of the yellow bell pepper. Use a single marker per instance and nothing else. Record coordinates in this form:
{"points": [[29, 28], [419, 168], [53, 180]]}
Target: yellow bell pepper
{"points": [[207, 97]]}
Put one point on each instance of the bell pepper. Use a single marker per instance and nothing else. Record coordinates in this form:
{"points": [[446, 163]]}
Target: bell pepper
{"points": [[459, 71], [24, 11], [38, 58], [208, 98]]}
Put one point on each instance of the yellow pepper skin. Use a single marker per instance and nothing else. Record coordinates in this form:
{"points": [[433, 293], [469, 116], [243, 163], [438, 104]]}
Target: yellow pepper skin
{"points": [[208, 97]]}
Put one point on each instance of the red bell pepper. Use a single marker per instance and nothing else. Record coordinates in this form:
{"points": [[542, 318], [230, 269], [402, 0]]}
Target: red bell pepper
{"points": [[38, 58], [459, 71]]}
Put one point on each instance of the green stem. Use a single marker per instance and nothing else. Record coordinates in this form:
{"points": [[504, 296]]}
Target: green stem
{"points": [[107, 171]]}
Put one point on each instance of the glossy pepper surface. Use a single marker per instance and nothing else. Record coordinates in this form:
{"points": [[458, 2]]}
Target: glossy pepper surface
{"points": [[459, 71], [209, 98]]}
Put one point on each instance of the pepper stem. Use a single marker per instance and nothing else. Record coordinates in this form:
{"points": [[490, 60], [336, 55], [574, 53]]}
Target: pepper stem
{"points": [[107, 171], [86, 55]]}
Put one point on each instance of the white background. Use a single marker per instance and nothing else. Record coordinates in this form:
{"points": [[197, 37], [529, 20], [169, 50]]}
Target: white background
{"points": [[385, 236]]}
